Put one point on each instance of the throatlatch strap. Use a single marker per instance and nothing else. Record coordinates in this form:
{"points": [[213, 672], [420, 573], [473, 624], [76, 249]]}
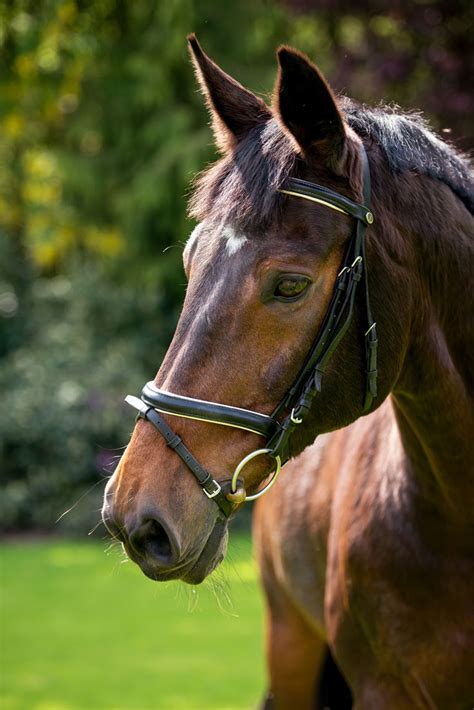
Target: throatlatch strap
{"points": [[371, 341]]}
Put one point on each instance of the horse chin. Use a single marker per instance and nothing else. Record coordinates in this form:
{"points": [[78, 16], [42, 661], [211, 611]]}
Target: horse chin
{"points": [[195, 570], [211, 556]]}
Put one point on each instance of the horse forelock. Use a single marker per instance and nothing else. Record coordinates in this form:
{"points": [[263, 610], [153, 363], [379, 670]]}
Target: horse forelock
{"points": [[241, 188]]}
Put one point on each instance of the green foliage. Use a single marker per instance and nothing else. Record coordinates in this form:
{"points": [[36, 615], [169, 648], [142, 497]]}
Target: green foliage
{"points": [[62, 396], [85, 631], [103, 128]]}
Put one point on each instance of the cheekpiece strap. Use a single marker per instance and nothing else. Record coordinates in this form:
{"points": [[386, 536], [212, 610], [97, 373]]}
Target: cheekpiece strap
{"points": [[339, 314], [209, 485]]}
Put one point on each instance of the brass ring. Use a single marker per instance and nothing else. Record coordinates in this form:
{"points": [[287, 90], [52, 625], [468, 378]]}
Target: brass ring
{"points": [[245, 461]]}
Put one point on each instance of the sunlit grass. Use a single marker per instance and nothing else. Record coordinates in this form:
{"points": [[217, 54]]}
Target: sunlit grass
{"points": [[82, 629]]}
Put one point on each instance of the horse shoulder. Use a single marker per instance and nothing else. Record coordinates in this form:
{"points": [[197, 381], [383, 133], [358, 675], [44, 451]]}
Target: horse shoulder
{"points": [[393, 569], [293, 522]]}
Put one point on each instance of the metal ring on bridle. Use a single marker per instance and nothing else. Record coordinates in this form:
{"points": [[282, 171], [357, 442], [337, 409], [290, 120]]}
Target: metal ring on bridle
{"points": [[245, 461]]}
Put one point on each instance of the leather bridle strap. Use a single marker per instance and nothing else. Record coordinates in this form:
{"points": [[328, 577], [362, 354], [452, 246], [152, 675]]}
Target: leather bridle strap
{"points": [[209, 485], [223, 414], [338, 315], [317, 193], [371, 345]]}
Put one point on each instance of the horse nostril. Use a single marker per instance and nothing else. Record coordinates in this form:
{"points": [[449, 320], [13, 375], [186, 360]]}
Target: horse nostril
{"points": [[151, 540]]}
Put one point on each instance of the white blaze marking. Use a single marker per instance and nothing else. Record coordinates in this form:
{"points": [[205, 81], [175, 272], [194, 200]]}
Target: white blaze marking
{"points": [[194, 235], [234, 240]]}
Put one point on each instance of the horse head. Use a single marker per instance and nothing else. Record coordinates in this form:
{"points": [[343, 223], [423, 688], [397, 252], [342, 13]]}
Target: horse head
{"points": [[263, 269]]}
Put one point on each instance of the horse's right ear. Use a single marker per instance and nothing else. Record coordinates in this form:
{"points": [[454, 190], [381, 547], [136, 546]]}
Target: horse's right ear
{"points": [[234, 109]]}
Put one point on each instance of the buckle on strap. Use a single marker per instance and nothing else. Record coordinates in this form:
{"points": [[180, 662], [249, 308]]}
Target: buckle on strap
{"points": [[295, 419], [212, 488]]}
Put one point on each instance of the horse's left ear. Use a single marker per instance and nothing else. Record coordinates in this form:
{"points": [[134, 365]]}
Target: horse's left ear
{"points": [[308, 108], [234, 109]]}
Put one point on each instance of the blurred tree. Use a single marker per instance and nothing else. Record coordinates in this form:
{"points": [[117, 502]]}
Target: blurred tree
{"points": [[102, 127], [101, 132], [419, 54]]}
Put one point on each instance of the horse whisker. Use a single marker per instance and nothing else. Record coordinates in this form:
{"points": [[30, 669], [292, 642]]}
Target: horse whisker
{"points": [[78, 501]]}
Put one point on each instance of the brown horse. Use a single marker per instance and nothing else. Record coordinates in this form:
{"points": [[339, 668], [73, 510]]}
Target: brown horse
{"points": [[366, 545]]}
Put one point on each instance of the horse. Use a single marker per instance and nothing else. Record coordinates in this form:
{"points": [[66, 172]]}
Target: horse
{"points": [[329, 294]]}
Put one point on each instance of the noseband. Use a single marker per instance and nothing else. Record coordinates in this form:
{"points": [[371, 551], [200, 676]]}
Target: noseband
{"points": [[293, 409]]}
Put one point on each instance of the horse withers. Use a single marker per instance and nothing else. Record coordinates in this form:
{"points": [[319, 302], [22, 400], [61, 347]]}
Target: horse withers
{"points": [[366, 543]]}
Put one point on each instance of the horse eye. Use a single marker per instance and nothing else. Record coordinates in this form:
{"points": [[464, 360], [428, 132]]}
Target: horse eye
{"points": [[290, 288]]}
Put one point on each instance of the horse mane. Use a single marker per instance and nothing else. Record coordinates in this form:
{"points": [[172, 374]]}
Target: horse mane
{"points": [[409, 144], [241, 187]]}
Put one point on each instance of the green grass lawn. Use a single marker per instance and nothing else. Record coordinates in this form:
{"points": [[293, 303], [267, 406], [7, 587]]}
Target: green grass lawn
{"points": [[81, 629]]}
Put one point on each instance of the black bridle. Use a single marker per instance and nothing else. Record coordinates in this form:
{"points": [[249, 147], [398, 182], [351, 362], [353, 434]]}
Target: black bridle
{"points": [[291, 412]]}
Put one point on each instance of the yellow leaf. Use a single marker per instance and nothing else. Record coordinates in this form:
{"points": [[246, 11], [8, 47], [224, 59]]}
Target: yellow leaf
{"points": [[67, 12], [14, 125], [106, 241], [41, 193], [25, 66]]}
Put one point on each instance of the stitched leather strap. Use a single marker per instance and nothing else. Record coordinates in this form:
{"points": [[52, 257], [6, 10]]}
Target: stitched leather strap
{"points": [[177, 405], [209, 485], [325, 196]]}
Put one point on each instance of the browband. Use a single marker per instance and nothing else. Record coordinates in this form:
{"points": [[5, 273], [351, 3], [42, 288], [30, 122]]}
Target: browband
{"points": [[324, 196]]}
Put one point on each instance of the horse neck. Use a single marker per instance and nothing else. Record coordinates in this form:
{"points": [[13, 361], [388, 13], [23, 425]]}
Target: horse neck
{"points": [[432, 396]]}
